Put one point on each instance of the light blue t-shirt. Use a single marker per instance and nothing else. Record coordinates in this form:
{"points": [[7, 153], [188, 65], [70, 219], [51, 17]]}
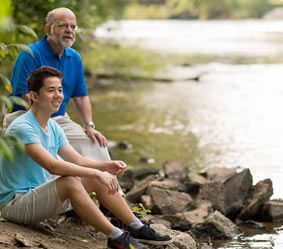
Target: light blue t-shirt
{"points": [[24, 174]]}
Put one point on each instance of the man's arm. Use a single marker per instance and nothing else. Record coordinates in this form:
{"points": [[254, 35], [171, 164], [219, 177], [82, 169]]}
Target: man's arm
{"points": [[84, 109], [60, 167]]}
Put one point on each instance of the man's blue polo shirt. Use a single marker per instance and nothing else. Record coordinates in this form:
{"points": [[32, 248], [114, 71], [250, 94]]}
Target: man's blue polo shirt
{"points": [[70, 64]]}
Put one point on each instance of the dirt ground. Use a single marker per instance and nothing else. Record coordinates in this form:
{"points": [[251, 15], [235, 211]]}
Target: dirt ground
{"points": [[59, 233]]}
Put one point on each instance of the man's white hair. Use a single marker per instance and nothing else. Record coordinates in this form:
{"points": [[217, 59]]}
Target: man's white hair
{"points": [[52, 14]]}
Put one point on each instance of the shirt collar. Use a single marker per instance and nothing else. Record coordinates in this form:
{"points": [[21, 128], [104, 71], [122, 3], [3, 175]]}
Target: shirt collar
{"points": [[50, 51]]}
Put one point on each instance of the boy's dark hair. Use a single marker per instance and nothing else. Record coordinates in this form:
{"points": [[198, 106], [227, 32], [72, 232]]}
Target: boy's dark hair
{"points": [[37, 77]]}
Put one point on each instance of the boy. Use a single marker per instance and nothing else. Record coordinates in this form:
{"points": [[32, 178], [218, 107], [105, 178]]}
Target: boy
{"points": [[29, 193]]}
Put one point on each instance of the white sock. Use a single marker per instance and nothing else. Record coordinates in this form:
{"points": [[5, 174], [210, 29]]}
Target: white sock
{"points": [[136, 224], [115, 233]]}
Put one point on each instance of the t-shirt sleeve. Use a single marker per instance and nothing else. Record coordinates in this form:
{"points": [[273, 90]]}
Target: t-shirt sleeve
{"points": [[60, 135], [80, 89], [24, 65], [26, 133]]}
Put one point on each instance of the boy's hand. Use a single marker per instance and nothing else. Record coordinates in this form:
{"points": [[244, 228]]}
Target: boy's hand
{"points": [[109, 181], [116, 167]]}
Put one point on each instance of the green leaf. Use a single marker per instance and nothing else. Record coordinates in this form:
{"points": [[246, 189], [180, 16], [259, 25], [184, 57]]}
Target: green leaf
{"points": [[26, 30], [5, 82], [18, 101], [5, 148], [6, 100], [16, 142], [14, 49]]}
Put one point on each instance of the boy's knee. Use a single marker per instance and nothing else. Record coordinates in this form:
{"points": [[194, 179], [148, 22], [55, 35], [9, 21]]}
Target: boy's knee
{"points": [[70, 183]]}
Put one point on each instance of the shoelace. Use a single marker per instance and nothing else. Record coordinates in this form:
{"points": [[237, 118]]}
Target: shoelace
{"points": [[149, 229], [127, 237]]}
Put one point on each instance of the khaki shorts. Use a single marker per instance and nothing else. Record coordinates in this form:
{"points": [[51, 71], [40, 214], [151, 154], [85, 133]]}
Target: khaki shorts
{"points": [[36, 205]]}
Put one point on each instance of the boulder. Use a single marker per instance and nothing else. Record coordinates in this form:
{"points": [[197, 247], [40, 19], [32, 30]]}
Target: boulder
{"points": [[181, 240], [139, 189], [216, 226], [236, 190], [214, 193], [194, 182], [262, 192], [170, 184], [220, 174], [273, 211], [175, 170], [169, 201]]}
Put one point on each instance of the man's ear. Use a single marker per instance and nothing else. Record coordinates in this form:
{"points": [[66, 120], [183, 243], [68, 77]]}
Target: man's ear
{"points": [[48, 29]]}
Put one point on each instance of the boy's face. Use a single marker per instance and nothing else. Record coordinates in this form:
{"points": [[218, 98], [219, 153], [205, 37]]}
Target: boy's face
{"points": [[50, 95]]}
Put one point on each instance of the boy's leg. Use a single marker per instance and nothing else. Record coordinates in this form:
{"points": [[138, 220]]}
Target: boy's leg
{"points": [[36, 205], [71, 188]]}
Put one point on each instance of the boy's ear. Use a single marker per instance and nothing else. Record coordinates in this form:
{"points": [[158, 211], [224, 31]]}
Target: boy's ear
{"points": [[33, 96]]}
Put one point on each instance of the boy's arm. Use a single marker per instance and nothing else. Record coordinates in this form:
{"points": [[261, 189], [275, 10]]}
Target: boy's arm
{"points": [[68, 153], [59, 167]]}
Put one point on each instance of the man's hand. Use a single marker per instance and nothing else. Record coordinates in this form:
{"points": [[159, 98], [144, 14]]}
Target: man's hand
{"points": [[116, 167], [95, 135]]}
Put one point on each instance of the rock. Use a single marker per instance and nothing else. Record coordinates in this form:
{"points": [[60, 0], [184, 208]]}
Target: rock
{"points": [[124, 145], [194, 182], [236, 190], [175, 170], [139, 189], [21, 241], [178, 221], [216, 226], [127, 181], [220, 174], [181, 240], [169, 201], [147, 160], [262, 192], [170, 184], [214, 193], [273, 211], [141, 173], [146, 201]]}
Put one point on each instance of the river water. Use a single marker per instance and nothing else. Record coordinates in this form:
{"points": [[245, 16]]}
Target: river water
{"points": [[231, 117]]}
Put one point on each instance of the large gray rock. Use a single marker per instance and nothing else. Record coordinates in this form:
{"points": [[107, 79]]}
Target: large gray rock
{"points": [[169, 201], [134, 195], [236, 190], [194, 182], [214, 193], [181, 240], [220, 174], [216, 226], [170, 184], [175, 170], [262, 192], [273, 211]]}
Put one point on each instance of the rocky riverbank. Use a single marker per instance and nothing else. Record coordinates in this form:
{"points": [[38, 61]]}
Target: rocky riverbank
{"points": [[194, 209]]}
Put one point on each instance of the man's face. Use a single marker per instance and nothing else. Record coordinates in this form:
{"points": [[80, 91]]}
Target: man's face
{"points": [[63, 30], [50, 95]]}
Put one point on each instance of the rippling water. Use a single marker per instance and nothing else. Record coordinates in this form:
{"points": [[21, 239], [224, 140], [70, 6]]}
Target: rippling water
{"points": [[231, 117]]}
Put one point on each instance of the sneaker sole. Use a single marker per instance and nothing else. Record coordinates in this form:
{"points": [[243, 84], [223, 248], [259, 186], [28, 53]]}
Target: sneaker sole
{"points": [[154, 242]]}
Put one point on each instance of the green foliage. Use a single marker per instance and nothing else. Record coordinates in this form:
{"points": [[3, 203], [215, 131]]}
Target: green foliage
{"points": [[201, 9], [10, 49], [142, 210], [114, 59], [90, 13]]}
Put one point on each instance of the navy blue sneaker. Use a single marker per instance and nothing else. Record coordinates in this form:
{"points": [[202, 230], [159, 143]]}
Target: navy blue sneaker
{"points": [[125, 241], [149, 236]]}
